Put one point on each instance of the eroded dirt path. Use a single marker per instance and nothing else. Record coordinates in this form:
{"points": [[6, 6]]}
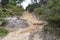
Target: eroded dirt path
{"points": [[23, 34], [31, 19]]}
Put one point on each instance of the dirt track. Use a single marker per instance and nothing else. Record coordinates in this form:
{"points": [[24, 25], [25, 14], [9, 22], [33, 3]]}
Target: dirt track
{"points": [[33, 25], [32, 21]]}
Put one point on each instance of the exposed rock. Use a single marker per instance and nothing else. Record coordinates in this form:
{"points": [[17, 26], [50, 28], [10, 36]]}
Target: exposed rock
{"points": [[17, 36], [15, 23], [34, 35]]}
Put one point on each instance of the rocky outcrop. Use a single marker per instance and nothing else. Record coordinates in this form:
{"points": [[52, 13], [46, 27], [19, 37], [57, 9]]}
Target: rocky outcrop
{"points": [[15, 23]]}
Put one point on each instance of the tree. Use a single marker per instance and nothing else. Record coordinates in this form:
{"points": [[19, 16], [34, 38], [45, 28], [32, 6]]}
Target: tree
{"points": [[35, 1], [9, 7], [32, 7], [50, 9]]}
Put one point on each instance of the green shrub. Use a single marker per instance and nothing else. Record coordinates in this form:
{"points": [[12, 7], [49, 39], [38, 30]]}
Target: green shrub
{"points": [[32, 7], [4, 12], [17, 10], [3, 32], [11, 10], [3, 23], [53, 19], [39, 11], [53, 26]]}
